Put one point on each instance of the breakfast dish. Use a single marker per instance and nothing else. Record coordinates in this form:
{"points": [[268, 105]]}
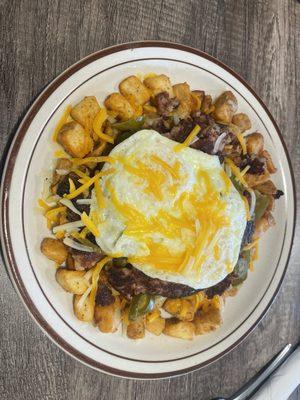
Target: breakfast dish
{"points": [[156, 205]]}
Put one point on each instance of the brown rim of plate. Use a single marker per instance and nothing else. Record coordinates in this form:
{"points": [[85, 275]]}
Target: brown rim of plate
{"points": [[6, 246]]}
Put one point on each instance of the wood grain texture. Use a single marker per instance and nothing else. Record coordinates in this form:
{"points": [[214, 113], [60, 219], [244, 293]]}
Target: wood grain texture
{"points": [[39, 39]]}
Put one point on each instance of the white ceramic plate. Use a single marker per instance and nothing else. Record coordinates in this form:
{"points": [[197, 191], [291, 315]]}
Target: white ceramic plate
{"points": [[23, 227]]}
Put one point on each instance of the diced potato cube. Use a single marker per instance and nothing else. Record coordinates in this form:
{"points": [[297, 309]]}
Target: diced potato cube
{"points": [[269, 162], [84, 312], [54, 250], [75, 140], [108, 317], [207, 321], [118, 103], [179, 329], [158, 84], [225, 107], [242, 121], [85, 112], [154, 322], [255, 143], [136, 329], [134, 90], [183, 309], [72, 281], [206, 105], [183, 94]]}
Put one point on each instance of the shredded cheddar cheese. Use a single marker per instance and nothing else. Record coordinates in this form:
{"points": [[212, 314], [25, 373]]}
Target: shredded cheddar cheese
{"points": [[87, 184], [61, 154], [236, 171], [52, 214], [61, 122], [43, 205], [188, 140], [89, 224], [81, 174], [82, 161], [99, 195], [172, 170], [83, 233], [71, 185], [248, 216], [242, 141]]}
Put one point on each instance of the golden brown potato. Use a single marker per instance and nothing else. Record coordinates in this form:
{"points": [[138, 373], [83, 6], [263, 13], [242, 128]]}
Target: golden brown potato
{"points": [[118, 103], [255, 143], [263, 224], [197, 98], [158, 84], [54, 250], [267, 187], [207, 321], [254, 179], [108, 317], [183, 309], [75, 140], [85, 112], [136, 329], [179, 329], [270, 166], [225, 107], [183, 94], [206, 106], [134, 90], [155, 323], [242, 121], [72, 281], [84, 312], [70, 262]]}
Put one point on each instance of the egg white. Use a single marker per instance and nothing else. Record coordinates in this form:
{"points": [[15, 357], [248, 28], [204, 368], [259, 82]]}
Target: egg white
{"points": [[129, 189]]}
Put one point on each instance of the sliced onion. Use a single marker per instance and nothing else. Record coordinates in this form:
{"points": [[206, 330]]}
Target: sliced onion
{"points": [[218, 142], [253, 202], [77, 246], [70, 205], [194, 140], [62, 171], [84, 201], [84, 297], [70, 226]]}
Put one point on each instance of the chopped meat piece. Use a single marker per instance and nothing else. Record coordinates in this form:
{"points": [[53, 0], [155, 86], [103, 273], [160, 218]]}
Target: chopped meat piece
{"points": [[64, 186], [129, 281], [218, 289], [71, 216], [278, 194], [164, 103], [84, 260], [180, 132], [104, 295], [161, 125]]}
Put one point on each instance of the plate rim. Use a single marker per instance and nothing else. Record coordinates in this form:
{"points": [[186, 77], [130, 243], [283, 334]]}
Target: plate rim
{"points": [[6, 244]]}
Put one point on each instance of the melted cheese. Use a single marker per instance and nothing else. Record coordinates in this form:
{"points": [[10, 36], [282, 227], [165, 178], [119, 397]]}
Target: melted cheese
{"points": [[89, 224]]}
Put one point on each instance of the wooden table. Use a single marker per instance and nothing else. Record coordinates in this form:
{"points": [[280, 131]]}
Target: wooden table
{"points": [[260, 39]]}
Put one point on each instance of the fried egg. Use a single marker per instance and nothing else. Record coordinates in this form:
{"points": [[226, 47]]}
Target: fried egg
{"points": [[170, 209]]}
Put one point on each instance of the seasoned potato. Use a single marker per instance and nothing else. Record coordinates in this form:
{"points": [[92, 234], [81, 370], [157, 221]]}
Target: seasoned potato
{"points": [[158, 84], [155, 323], [206, 105], [207, 321], [85, 311], [255, 143], [70, 262], [134, 90], [136, 329], [75, 139], [85, 112], [225, 107], [183, 309], [54, 250], [183, 94], [267, 187], [108, 317], [179, 329], [270, 166], [197, 98], [118, 103], [254, 180], [242, 121], [72, 281], [263, 224]]}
